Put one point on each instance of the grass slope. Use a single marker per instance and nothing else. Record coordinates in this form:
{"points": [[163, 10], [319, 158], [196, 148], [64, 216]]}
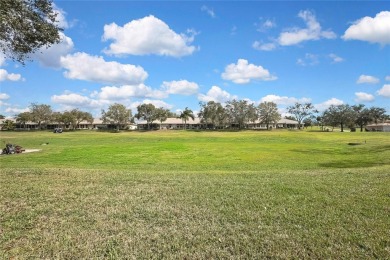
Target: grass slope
{"points": [[170, 194]]}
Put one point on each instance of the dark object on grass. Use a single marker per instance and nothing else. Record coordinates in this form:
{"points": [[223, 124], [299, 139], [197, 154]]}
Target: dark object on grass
{"points": [[355, 143], [57, 130], [12, 149]]}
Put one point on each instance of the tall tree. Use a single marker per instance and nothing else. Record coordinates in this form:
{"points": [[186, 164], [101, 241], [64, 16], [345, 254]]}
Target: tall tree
{"points": [[363, 116], [117, 114], [185, 115], [378, 114], [162, 114], [146, 112], [238, 112], [268, 113], [26, 26], [301, 111], [340, 115], [80, 116], [40, 114], [212, 113], [23, 118]]}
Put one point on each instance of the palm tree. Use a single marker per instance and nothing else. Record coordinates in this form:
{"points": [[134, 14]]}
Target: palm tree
{"points": [[185, 115]]}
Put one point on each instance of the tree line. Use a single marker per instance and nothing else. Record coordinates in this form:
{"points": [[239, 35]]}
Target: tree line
{"points": [[214, 115]]}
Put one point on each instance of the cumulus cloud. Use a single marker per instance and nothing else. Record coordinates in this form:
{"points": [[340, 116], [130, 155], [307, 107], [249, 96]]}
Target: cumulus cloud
{"points": [[308, 60], [373, 30], [312, 31], [208, 10], [129, 91], [325, 105], [94, 68], [76, 100], [384, 91], [260, 46], [366, 79], [4, 96], [16, 110], [243, 72], [182, 87], [296, 35], [148, 35], [283, 100], [335, 58], [155, 102], [216, 94], [4, 75], [264, 26], [363, 97], [51, 57]]}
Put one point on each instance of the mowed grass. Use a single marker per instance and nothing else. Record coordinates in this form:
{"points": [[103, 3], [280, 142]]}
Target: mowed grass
{"points": [[196, 195]]}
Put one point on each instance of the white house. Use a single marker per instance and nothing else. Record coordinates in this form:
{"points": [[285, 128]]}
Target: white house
{"points": [[380, 127]]}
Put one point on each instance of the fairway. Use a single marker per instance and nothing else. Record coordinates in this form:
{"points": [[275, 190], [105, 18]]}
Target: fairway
{"points": [[196, 195]]}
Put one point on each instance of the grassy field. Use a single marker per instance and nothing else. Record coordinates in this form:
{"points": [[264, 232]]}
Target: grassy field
{"points": [[196, 195]]}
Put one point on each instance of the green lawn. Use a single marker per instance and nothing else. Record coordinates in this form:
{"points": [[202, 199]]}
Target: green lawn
{"points": [[196, 195]]}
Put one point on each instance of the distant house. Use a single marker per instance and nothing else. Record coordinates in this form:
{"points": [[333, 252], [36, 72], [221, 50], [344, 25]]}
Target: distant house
{"points": [[380, 127], [282, 123], [171, 123], [177, 123]]}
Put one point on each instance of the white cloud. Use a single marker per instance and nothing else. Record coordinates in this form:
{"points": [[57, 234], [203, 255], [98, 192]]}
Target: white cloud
{"points": [[367, 79], [243, 72], [264, 26], [148, 35], [76, 100], [387, 78], [60, 18], [181, 87], [156, 103], [325, 105], [313, 31], [51, 57], [93, 68], [216, 94], [283, 100], [4, 96], [129, 91], [4, 75], [208, 10], [16, 110], [308, 60], [373, 30], [384, 91], [335, 58], [363, 97], [260, 46]]}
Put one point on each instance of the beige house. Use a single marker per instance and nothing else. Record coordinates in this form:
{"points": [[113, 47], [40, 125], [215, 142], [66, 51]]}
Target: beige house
{"points": [[380, 127]]}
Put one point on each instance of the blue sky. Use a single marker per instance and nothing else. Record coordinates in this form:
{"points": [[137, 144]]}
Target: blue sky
{"points": [[176, 54]]}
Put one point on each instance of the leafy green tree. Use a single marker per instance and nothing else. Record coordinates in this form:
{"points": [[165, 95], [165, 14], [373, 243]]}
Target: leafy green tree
{"points": [[79, 116], [26, 26], [41, 114], [118, 115], [340, 115], [301, 111], [378, 114], [162, 114], [185, 115], [363, 116], [268, 113], [2, 116], [238, 112], [8, 125], [212, 113], [146, 112], [23, 118]]}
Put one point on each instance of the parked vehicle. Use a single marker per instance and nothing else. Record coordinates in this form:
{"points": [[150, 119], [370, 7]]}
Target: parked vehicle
{"points": [[12, 149]]}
